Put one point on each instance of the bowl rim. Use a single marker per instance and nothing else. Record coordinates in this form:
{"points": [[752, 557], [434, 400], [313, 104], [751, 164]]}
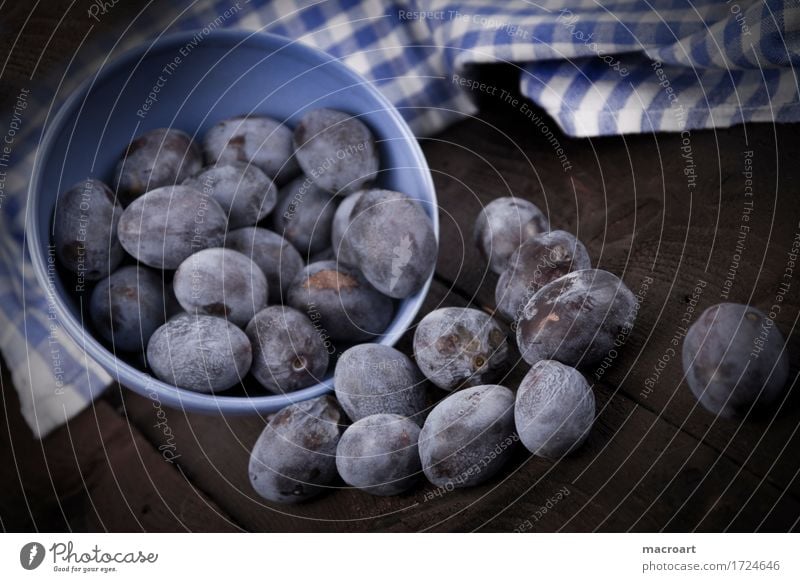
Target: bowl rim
{"points": [[127, 375]]}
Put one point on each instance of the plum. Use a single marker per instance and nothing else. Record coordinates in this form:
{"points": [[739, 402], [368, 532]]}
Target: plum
{"points": [[288, 353], [555, 409], [735, 360], [166, 225], [243, 191], [159, 157], [503, 225], [468, 436], [576, 319], [279, 260], [261, 141], [457, 346], [221, 282], [200, 353], [336, 150], [85, 230], [344, 304], [294, 458], [375, 379], [304, 215], [340, 225], [538, 261], [378, 454], [128, 306], [392, 242]]}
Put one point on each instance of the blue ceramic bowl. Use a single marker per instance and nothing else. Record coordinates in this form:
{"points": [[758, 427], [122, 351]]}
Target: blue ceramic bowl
{"points": [[227, 73]]}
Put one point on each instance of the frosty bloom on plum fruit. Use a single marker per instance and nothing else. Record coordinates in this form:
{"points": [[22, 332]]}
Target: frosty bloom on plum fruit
{"points": [[538, 261], [554, 409], [128, 306], [379, 454], [288, 353], [347, 307], [160, 157], [373, 379], [295, 456], [85, 230], [303, 215], [221, 282], [336, 150], [166, 225], [279, 260], [243, 191], [503, 225], [200, 353], [261, 141], [468, 436], [391, 240], [735, 360], [576, 318], [341, 223], [457, 346]]}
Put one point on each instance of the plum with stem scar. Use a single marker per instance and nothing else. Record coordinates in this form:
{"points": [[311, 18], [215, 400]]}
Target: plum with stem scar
{"points": [[457, 346]]}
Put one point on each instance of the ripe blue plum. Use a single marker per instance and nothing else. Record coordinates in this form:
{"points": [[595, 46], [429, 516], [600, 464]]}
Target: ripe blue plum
{"points": [[166, 225], [468, 436], [538, 261], [304, 215], [375, 379], [336, 150], [288, 353], [379, 454], [200, 353], [341, 301], [456, 346], [576, 319], [128, 306], [503, 225], [555, 409], [261, 141], [735, 360], [294, 458], [278, 259], [85, 230], [392, 242], [223, 283], [159, 157], [243, 191]]}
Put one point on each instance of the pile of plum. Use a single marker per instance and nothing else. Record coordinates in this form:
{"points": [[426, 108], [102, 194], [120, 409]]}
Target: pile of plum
{"points": [[201, 270], [279, 251], [565, 315]]}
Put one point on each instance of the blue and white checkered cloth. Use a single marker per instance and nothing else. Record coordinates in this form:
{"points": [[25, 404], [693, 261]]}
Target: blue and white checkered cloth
{"points": [[597, 68]]}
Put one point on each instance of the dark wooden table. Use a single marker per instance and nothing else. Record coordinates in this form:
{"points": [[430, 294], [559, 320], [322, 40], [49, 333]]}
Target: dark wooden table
{"points": [[654, 461]]}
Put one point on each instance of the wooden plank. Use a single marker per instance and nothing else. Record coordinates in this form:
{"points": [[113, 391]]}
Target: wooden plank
{"points": [[636, 472], [627, 200], [97, 473]]}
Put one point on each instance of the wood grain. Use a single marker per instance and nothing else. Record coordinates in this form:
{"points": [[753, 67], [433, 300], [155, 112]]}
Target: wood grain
{"points": [[96, 473]]}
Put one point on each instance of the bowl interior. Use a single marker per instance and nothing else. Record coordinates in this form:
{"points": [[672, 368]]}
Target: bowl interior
{"points": [[190, 84]]}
